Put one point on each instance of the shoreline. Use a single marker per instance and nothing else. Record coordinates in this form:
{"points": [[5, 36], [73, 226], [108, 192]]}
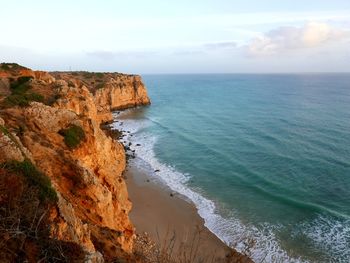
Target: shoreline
{"points": [[171, 221]]}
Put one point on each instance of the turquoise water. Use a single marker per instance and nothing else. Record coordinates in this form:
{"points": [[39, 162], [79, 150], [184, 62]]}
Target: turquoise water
{"points": [[264, 157]]}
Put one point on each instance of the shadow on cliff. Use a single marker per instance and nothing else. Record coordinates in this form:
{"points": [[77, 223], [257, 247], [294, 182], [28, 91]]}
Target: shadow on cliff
{"points": [[24, 213]]}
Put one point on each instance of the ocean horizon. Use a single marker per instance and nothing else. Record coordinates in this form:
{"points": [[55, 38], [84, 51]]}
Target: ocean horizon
{"points": [[264, 157]]}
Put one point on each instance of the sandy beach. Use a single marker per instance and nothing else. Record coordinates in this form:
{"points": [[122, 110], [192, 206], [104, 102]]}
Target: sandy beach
{"points": [[164, 216]]}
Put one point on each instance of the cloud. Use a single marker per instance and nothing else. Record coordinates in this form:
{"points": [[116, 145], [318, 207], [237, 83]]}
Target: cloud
{"points": [[110, 55], [188, 52], [221, 45], [312, 34], [205, 48]]}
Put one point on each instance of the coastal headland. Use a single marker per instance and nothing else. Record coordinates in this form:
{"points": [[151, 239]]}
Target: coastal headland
{"points": [[63, 193]]}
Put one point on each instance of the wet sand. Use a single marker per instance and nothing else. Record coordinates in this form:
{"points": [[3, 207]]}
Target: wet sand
{"points": [[164, 216]]}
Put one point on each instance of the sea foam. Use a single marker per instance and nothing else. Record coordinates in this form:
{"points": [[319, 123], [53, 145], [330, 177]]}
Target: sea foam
{"points": [[230, 230]]}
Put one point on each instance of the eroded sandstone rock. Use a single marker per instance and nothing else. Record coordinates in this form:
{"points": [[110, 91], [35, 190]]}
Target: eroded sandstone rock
{"points": [[93, 206]]}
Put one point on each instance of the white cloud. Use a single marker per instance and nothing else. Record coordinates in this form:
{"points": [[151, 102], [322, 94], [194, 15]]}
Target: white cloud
{"points": [[110, 55], [312, 34], [220, 45]]}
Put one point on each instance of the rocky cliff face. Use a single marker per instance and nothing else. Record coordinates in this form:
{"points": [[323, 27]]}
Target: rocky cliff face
{"points": [[111, 91], [86, 171], [129, 89]]}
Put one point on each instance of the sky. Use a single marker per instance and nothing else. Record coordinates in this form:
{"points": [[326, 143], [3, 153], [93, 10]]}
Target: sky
{"points": [[182, 36]]}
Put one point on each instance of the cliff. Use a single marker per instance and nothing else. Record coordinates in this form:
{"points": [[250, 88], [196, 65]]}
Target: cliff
{"points": [[51, 143], [111, 91]]}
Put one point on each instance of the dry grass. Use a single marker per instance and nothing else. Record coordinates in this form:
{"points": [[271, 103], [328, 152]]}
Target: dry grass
{"points": [[24, 232]]}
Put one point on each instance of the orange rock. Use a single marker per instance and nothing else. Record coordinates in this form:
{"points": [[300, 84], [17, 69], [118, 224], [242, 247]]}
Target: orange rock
{"points": [[120, 92], [93, 205]]}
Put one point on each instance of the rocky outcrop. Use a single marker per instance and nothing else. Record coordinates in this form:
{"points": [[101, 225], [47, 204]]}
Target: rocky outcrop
{"points": [[76, 99], [120, 93], [40, 76], [11, 146], [111, 91], [92, 201], [4, 87]]}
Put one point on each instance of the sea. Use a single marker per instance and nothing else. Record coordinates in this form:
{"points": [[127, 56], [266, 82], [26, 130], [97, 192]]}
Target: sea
{"points": [[265, 158]]}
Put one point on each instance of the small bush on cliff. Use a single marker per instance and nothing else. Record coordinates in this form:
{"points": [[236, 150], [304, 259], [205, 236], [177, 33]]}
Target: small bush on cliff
{"points": [[4, 130], [34, 177], [99, 86], [5, 66], [20, 96], [9, 66], [23, 100], [87, 74], [21, 84], [73, 135], [99, 75], [34, 97]]}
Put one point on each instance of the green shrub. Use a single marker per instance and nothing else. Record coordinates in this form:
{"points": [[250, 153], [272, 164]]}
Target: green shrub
{"points": [[34, 176], [20, 84], [35, 97], [19, 95], [99, 75], [23, 100], [100, 85], [20, 89], [9, 66], [4, 130], [88, 75], [15, 99], [5, 66], [73, 135]]}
